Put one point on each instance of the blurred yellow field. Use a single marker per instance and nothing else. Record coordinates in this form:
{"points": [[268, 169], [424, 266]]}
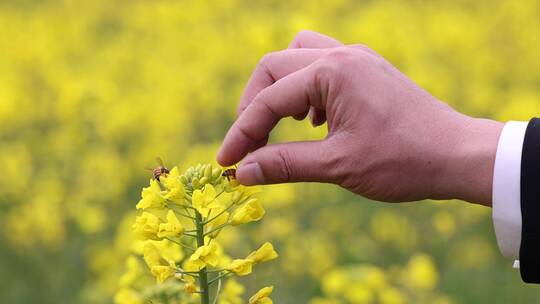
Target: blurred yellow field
{"points": [[92, 91]]}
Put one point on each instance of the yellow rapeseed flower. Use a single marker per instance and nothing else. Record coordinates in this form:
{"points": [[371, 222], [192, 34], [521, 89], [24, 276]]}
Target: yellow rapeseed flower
{"points": [[174, 185], [421, 272], [263, 254], [240, 267], [160, 268], [127, 296], [205, 255], [132, 273], [240, 193], [151, 255], [172, 228], [168, 250], [190, 287], [204, 200], [147, 226], [392, 296], [220, 220], [251, 211], [162, 228], [190, 266], [262, 296], [162, 272], [151, 196], [359, 294]]}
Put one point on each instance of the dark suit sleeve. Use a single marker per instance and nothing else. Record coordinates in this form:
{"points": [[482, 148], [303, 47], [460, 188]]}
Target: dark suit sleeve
{"points": [[529, 251]]}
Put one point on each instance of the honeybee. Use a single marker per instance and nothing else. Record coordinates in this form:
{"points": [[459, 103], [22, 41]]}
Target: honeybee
{"points": [[159, 170], [229, 173]]}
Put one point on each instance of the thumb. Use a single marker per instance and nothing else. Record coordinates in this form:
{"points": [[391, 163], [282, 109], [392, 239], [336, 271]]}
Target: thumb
{"points": [[307, 161]]}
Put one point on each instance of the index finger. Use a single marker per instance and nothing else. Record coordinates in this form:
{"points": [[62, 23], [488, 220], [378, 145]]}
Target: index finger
{"points": [[266, 74], [286, 97], [314, 40], [274, 66]]}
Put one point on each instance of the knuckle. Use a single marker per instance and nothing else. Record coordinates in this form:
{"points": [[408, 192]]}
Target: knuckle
{"points": [[323, 70], [341, 59], [285, 167], [336, 63], [302, 34], [341, 53], [267, 110], [365, 48], [346, 59], [268, 61], [248, 133], [260, 99], [369, 54], [265, 61], [240, 110]]}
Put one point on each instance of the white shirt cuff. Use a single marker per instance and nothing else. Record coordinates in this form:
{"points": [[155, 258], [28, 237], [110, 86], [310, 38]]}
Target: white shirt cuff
{"points": [[507, 189]]}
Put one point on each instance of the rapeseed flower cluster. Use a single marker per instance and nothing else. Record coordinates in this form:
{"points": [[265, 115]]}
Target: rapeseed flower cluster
{"points": [[187, 212]]}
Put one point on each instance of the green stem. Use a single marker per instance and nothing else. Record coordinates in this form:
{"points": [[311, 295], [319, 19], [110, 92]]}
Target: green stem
{"points": [[203, 276], [214, 217], [181, 213], [216, 229], [196, 272], [217, 292], [219, 277], [196, 276], [181, 244]]}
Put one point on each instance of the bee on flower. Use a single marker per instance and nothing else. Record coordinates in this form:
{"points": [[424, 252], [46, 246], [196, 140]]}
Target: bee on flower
{"points": [[160, 170], [230, 174]]}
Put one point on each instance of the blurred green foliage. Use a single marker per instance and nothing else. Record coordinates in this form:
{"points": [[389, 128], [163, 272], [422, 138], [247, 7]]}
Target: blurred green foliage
{"points": [[91, 91]]}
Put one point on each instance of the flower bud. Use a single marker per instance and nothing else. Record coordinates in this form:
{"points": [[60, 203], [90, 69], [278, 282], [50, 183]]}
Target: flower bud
{"points": [[195, 183], [208, 171], [216, 173]]}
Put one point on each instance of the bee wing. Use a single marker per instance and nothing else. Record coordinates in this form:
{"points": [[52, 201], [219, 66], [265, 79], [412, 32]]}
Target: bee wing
{"points": [[148, 168], [159, 161]]}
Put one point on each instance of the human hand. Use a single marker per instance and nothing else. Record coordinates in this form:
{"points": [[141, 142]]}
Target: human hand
{"points": [[388, 139]]}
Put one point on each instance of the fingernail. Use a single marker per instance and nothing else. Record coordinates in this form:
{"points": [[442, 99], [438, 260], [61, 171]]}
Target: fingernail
{"points": [[250, 174]]}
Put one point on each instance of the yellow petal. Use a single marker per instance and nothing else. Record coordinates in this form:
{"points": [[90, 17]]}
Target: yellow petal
{"points": [[240, 267], [173, 227], [262, 296], [249, 212], [263, 254], [146, 226]]}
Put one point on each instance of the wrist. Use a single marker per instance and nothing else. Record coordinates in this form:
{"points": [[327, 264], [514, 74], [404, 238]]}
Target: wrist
{"points": [[470, 164]]}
